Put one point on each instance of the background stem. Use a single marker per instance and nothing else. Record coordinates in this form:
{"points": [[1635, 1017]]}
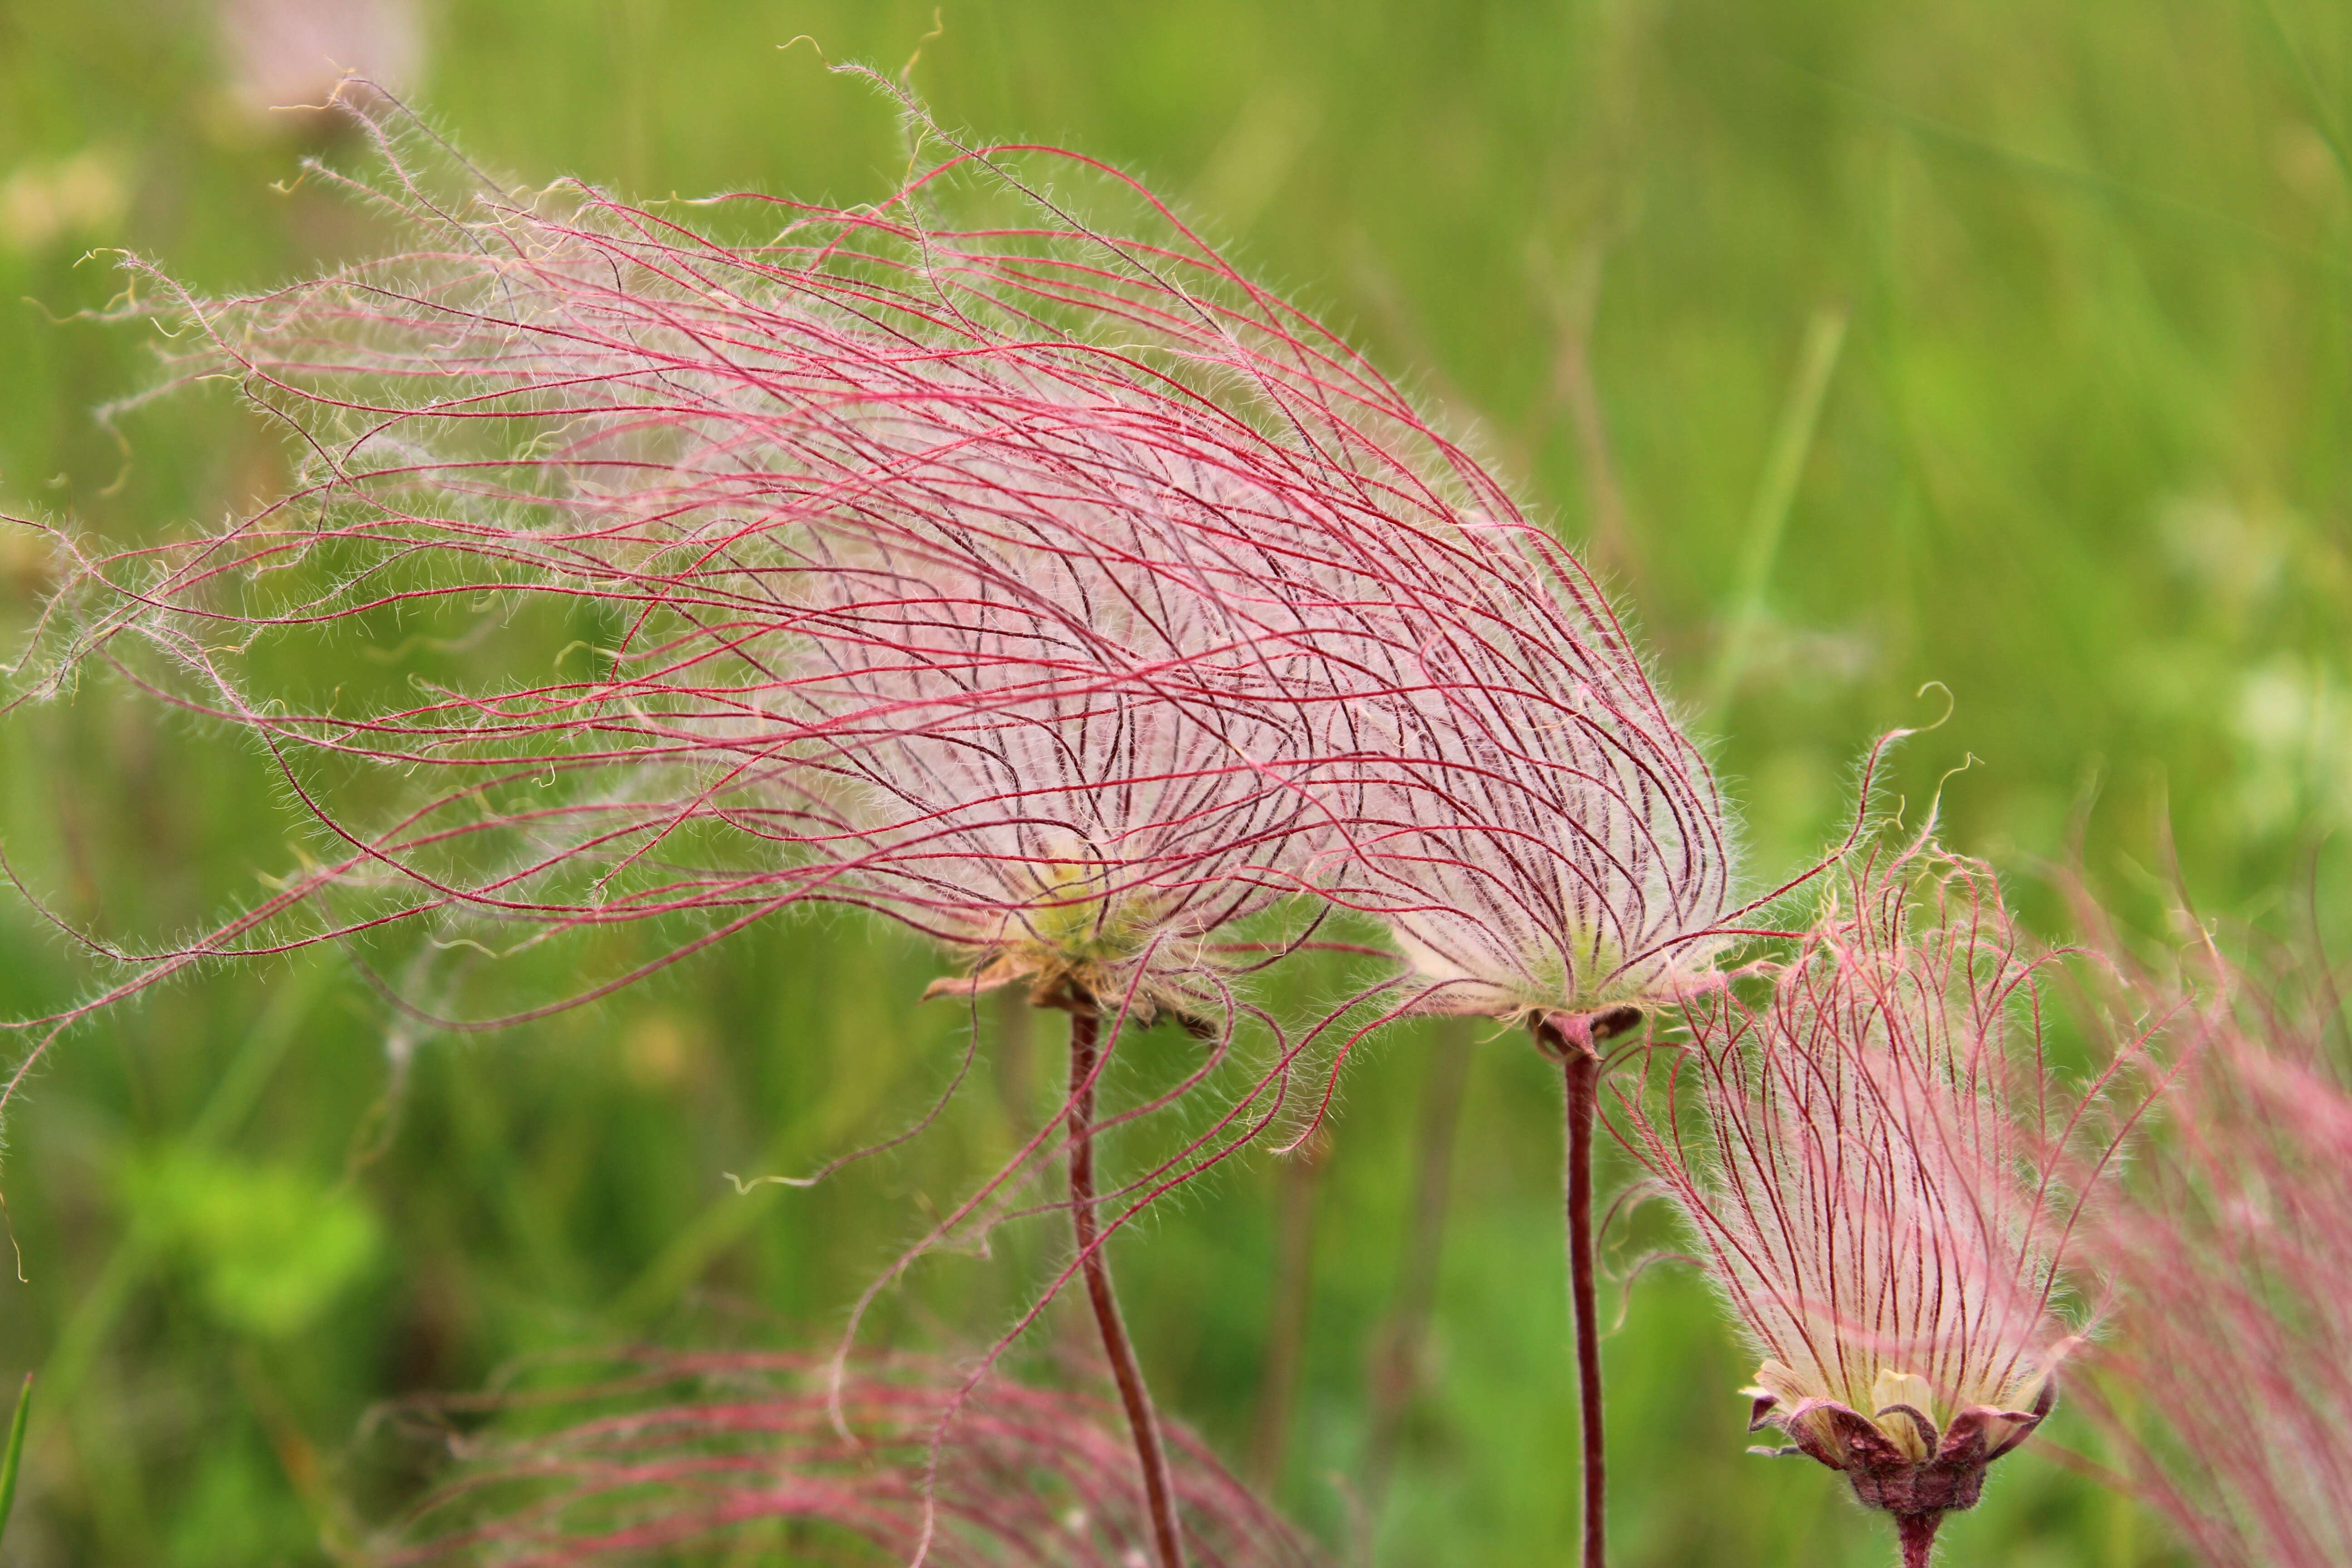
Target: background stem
{"points": [[1397, 1365], [1293, 1304]]}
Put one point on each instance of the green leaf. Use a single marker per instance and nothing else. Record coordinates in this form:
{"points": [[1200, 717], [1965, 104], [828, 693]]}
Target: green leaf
{"points": [[15, 1452]]}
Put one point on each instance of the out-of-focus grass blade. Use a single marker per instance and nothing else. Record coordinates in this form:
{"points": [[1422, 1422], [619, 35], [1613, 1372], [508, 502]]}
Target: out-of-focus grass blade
{"points": [[15, 1452], [231, 1101], [1767, 519], [2315, 96]]}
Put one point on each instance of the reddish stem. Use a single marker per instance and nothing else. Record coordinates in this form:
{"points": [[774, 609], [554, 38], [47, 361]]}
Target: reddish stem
{"points": [[1159, 1493], [1582, 1068], [1917, 1533]]}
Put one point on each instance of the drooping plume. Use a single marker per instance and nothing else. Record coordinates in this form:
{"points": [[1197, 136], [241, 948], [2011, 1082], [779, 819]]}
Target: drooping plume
{"points": [[1035, 578], [2232, 1250], [1883, 1173]]}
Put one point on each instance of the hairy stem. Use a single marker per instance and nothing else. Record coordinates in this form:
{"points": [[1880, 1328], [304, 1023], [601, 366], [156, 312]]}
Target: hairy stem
{"points": [[1917, 1533], [1159, 1494], [1582, 1068]]}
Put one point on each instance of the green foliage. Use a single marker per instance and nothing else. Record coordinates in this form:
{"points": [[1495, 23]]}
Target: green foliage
{"points": [[15, 1455], [270, 1247], [231, 1514], [2084, 455]]}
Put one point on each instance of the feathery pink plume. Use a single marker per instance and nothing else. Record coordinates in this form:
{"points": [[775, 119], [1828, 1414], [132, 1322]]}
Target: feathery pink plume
{"points": [[2229, 1379], [984, 488], [681, 1451], [1884, 1172]]}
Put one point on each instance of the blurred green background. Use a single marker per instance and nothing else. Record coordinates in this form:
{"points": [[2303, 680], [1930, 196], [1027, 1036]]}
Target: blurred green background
{"points": [[1984, 341]]}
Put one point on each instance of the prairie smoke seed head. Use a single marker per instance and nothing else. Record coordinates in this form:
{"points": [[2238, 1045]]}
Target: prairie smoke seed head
{"points": [[1903, 1449], [1882, 1174], [1074, 936], [907, 618], [2233, 1256], [1533, 827]]}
